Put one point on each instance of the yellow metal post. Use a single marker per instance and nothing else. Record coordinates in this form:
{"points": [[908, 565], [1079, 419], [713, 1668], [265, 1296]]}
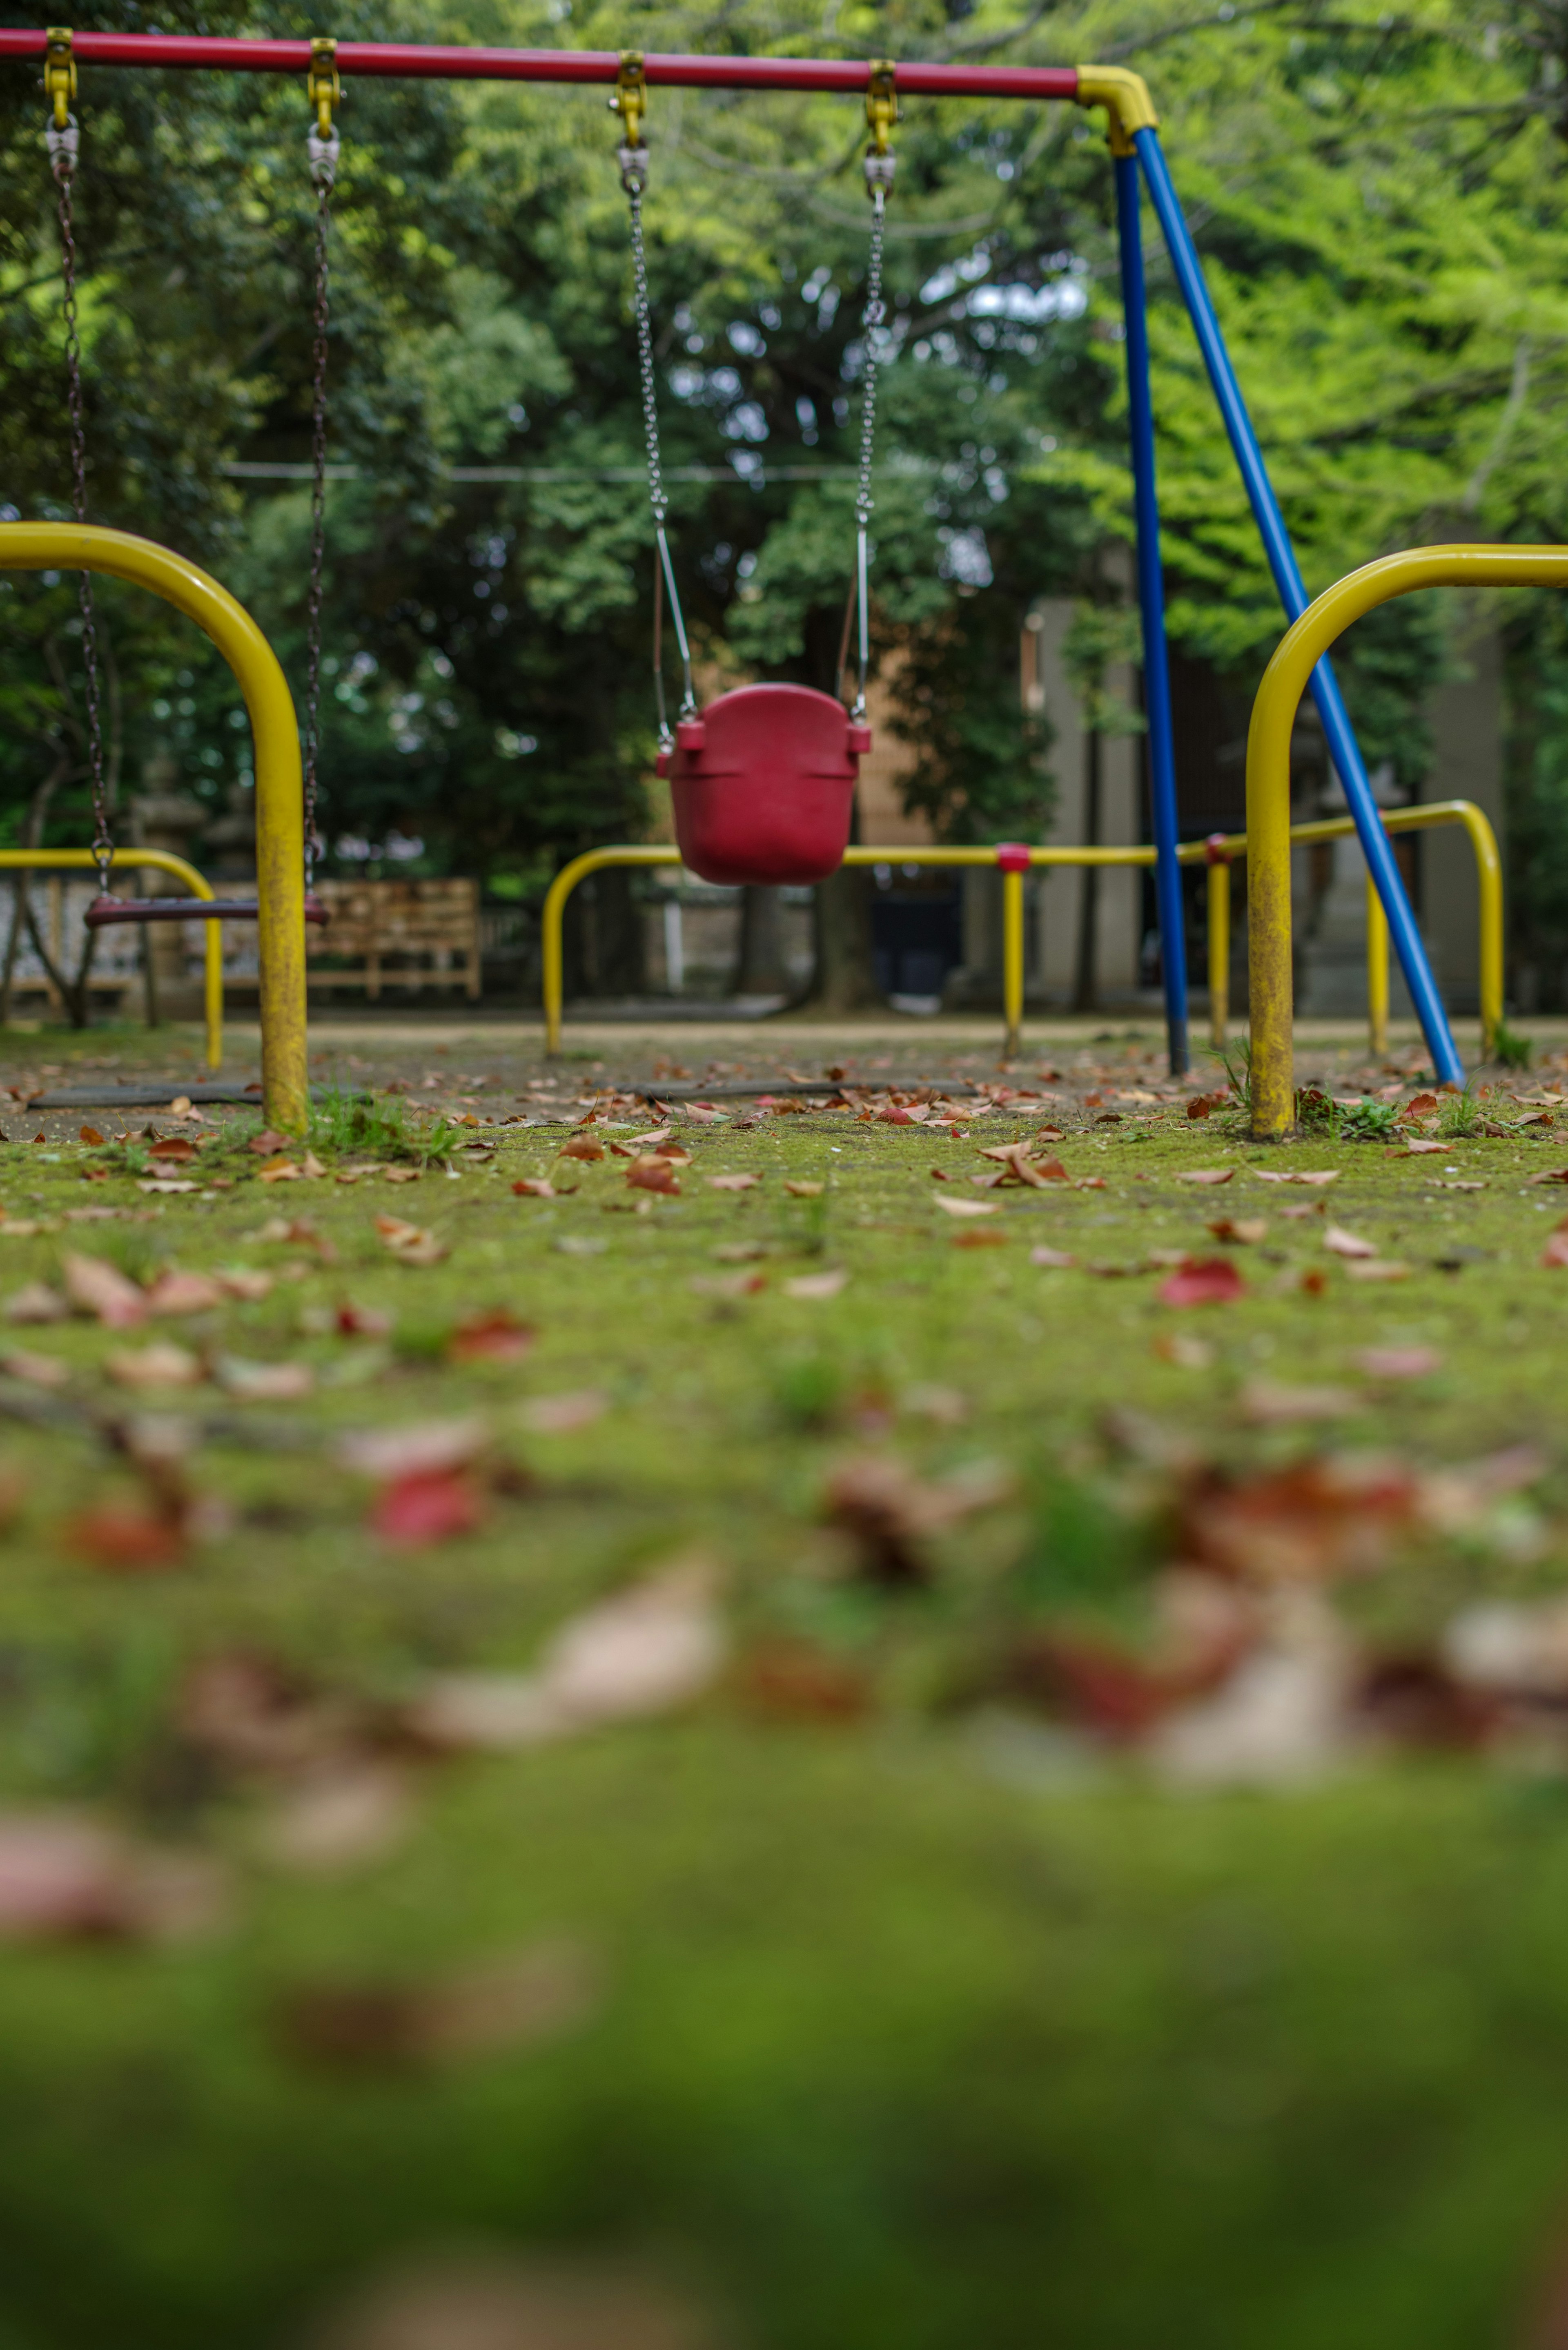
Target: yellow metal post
{"points": [[1267, 772], [1218, 858], [1014, 859], [280, 843], [1377, 972], [556, 896]]}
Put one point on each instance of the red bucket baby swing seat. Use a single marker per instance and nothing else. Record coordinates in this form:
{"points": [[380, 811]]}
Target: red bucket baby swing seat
{"points": [[763, 780]]}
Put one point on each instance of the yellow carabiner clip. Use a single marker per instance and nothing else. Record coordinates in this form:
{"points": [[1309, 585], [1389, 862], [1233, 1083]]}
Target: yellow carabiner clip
{"points": [[631, 99], [322, 86], [882, 104], [60, 73]]}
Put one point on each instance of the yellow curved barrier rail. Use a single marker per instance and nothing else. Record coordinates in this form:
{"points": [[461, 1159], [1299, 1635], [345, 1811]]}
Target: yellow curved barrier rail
{"points": [[159, 860], [1011, 857], [280, 816], [1269, 781]]}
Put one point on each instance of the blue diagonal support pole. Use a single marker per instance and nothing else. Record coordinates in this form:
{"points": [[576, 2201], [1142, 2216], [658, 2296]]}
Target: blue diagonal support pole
{"points": [[1344, 748], [1151, 608]]}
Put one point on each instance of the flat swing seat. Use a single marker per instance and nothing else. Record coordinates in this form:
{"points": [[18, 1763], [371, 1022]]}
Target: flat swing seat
{"points": [[105, 911], [763, 785]]}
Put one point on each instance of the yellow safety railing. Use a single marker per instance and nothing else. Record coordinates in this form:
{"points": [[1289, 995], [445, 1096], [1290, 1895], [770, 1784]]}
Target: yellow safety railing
{"points": [[1273, 1068], [1488, 884], [159, 860], [1014, 860], [280, 818]]}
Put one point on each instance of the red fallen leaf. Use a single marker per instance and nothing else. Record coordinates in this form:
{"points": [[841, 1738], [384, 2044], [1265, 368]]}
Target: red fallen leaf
{"points": [[651, 1174], [1051, 1171], [496, 1337], [582, 1149], [127, 1538], [1315, 1520], [1203, 1280], [362, 1322], [940, 1175], [40, 1137], [1421, 1107], [429, 1505], [90, 1134], [791, 1682], [1112, 1691], [896, 1117], [1551, 1175], [173, 1147], [533, 1186], [1313, 1283], [1204, 1105]]}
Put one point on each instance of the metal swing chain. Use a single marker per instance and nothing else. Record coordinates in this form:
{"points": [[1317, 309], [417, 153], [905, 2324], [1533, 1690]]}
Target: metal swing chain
{"points": [[881, 114], [630, 103], [63, 138], [324, 90]]}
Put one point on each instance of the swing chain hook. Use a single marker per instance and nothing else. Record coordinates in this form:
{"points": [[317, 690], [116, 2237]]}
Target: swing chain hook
{"points": [[325, 91], [630, 103], [63, 138], [882, 111]]}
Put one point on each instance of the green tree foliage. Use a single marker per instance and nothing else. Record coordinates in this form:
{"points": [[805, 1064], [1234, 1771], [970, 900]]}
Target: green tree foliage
{"points": [[1379, 211]]}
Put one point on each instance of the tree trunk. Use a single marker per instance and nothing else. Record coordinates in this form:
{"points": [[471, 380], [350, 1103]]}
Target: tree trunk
{"points": [[845, 979], [1084, 995], [761, 969]]}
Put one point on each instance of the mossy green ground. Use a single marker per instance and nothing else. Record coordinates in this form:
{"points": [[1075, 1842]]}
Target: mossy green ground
{"points": [[913, 2029]]}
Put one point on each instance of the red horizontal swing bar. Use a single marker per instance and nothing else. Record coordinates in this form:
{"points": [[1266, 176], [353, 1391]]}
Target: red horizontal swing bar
{"points": [[411, 60]]}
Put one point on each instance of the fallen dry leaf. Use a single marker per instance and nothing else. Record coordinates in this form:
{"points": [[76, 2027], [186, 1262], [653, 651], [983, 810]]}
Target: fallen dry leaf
{"points": [[1422, 1150], [652, 1173], [409, 1243], [817, 1285], [1204, 1105], [128, 1537], [533, 1186], [1398, 1362], [1317, 1520], [281, 1170], [543, 1992], [1052, 1260], [353, 1811], [1206, 1175], [1280, 1720], [563, 1415], [250, 1288], [173, 1148], [654, 1647], [263, 1382], [90, 1134], [1378, 1268], [1202, 1280], [1296, 1175], [493, 1335], [159, 1366], [1555, 1252], [96, 1287], [424, 1506], [1241, 1231], [184, 1293], [36, 1370], [801, 1189], [35, 1302], [1349, 1244], [966, 1207], [581, 1147], [65, 1878], [890, 1512], [1550, 1175], [1264, 1403], [1188, 1353]]}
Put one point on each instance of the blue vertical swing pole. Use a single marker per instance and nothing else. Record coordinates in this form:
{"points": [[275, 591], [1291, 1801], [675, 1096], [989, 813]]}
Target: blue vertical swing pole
{"points": [[1152, 607], [1344, 748]]}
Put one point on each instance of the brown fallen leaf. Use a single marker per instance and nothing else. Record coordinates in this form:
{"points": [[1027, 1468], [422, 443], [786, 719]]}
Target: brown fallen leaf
{"points": [[1241, 1231], [1052, 1260], [352, 1810], [1296, 1175], [1265, 1403], [580, 1147], [239, 1281], [409, 1243], [1317, 1520], [733, 1182], [966, 1207], [650, 1172], [162, 1365], [35, 1370], [167, 1184], [1348, 1244], [410, 1175], [1555, 1252], [1398, 1362], [95, 1286], [534, 1997], [419, 1447], [563, 1415], [184, 1293], [1188, 1353], [533, 1186], [65, 1878], [890, 1512], [800, 1190], [90, 1134], [281, 1170], [1378, 1268], [263, 1382], [1206, 1175], [1550, 1175], [1417, 1149], [35, 1302], [266, 1145], [817, 1285]]}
